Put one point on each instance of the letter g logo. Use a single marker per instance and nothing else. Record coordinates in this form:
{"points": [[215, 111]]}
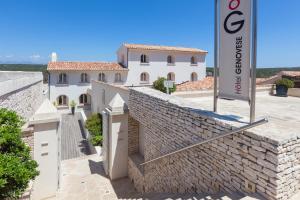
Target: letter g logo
{"points": [[235, 26]]}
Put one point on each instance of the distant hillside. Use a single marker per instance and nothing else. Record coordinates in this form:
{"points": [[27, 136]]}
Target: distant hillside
{"points": [[23, 67], [265, 72]]}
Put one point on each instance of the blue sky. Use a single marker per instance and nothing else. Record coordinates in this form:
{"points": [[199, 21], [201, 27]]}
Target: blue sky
{"points": [[92, 30]]}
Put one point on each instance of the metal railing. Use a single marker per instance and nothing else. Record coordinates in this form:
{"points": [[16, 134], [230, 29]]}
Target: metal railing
{"points": [[240, 129]]}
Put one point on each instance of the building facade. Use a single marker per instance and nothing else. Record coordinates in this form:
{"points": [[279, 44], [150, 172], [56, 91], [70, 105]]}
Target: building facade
{"points": [[70, 81], [146, 63], [137, 65]]}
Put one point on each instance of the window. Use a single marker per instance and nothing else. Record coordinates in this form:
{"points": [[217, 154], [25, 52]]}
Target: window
{"points": [[171, 76], [83, 99], [170, 60], [144, 77], [62, 100], [101, 77], [62, 78], [193, 60], [144, 58], [194, 76], [118, 77], [84, 78]]}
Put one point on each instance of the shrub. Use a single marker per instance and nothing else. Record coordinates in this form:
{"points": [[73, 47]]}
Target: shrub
{"points": [[16, 166], [10, 118], [159, 85], [285, 82], [72, 103], [97, 140], [94, 125]]}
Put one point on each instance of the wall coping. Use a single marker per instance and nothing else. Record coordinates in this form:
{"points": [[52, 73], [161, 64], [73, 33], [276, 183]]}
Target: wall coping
{"points": [[46, 113], [11, 81], [223, 120]]}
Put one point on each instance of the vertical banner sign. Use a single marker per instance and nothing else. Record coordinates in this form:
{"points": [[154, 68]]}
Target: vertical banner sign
{"points": [[234, 54]]}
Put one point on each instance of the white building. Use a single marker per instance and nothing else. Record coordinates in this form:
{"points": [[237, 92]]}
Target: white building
{"points": [[137, 65], [70, 80], [147, 62]]}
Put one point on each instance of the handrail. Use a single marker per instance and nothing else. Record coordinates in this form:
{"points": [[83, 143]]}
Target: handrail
{"points": [[243, 128]]}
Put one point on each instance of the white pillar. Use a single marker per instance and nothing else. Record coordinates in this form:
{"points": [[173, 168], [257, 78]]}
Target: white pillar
{"points": [[46, 150], [116, 138]]}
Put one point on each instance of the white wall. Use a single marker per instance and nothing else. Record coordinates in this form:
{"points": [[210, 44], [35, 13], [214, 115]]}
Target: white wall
{"points": [[118, 146], [99, 103], [74, 88], [46, 155], [158, 66]]}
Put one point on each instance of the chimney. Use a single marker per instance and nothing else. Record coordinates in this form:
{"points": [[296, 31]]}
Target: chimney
{"points": [[53, 57]]}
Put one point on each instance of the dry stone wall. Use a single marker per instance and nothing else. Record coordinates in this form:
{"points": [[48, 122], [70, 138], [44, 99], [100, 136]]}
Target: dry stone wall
{"points": [[28, 138], [133, 138], [244, 162], [21, 92]]}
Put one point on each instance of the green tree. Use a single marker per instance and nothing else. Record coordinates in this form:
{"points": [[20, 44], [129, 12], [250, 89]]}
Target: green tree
{"points": [[16, 165], [159, 85]]}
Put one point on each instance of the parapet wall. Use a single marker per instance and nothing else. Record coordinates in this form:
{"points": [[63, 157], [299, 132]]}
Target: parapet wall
{"points": [[244, 162], [102, 94], [21, 92]]}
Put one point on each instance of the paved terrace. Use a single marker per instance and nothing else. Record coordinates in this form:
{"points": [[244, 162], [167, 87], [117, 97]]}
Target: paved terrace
{"points": [[84, 179], [283, 114]]}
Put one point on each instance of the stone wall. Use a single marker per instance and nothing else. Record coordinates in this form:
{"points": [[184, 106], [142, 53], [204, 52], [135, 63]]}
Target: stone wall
{"points": [[245, 162], [21, 92], [133, 138], [28, 138]]}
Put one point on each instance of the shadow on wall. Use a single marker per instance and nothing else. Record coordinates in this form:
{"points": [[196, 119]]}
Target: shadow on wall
{"points": [[85, 146], [233, 118], [124, 189]]}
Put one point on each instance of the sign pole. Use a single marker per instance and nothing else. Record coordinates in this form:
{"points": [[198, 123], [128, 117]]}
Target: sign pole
{"points": [[253, 61], [216, 50]]}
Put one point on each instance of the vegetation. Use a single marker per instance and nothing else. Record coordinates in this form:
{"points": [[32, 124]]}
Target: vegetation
{"points": [[23, 67], [265, 72], [94, 126], [96, 140], [159, 85], [72, 103], [16, 165], [285, 82]]}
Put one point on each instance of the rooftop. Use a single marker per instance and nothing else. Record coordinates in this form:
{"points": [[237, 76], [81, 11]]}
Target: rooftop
{"points": [[283, 114], [89, 66], [204, 84], [208, 83], [163, 48], [290, 73]]}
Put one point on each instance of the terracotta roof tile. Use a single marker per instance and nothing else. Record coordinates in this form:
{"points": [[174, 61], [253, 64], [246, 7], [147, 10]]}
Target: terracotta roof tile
{"points": [[163, 48], [290, 73], [204, 84], [207, 84], [89, 66]]}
